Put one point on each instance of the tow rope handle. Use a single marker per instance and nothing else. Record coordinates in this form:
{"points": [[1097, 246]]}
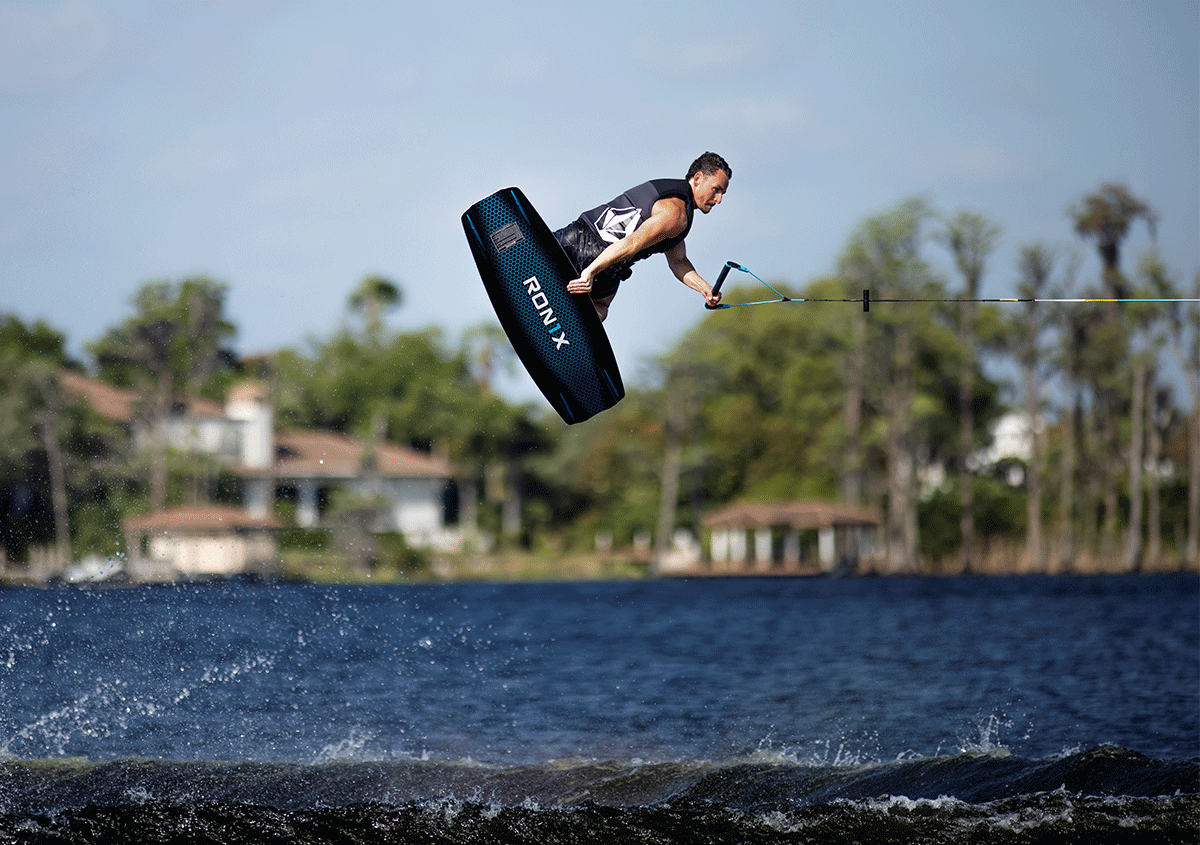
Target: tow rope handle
{"points": [[729, 265]]}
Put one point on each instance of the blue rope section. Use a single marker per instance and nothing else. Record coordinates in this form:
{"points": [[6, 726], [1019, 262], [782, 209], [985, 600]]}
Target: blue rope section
{"points": [[782, 298]]}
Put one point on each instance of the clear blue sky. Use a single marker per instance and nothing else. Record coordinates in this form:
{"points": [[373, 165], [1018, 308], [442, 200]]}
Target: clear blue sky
{"points": [[291, 148]]}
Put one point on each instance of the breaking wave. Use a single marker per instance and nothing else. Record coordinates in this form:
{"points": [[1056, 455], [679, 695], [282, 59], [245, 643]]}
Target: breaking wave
{"points": [[1101, 794]]}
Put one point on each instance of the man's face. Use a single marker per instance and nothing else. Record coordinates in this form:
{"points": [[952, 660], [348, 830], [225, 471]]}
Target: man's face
{"points": [[708, 189]]}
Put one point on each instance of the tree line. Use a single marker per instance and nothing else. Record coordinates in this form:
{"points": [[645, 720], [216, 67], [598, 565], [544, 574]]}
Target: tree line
{"points": [[890, 408], [893, 407]]}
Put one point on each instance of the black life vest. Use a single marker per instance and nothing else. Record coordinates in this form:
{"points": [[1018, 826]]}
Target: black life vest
{"points": [[622, 215]]}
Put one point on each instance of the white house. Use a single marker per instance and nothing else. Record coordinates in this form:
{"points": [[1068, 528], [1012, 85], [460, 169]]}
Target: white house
{"points": [[306, 463], [1012, 437]]}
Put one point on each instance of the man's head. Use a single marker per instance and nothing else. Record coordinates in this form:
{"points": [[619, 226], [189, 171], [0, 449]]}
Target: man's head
{"points": [[709, 178]]}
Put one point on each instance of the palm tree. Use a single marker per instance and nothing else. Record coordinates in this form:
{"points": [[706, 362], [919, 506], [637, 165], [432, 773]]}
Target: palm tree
{"points": [[172, 345], [32, 413], [375, 296], [884, 254], [1106, 216], [971, 237], [1034, 265], [487, 349]]}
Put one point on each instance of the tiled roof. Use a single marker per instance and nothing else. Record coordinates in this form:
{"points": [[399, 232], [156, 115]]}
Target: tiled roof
{"points": [[300, 453], [800, 515], [113, 403], [118, 403], [312, 453], [204, 519]]}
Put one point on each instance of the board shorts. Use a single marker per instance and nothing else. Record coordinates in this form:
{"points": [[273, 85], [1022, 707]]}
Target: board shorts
{"points": [[581, 244]]}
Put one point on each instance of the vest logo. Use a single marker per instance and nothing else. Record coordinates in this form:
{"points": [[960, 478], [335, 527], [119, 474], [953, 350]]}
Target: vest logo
{"points": [[615, 223], [540, 302]]}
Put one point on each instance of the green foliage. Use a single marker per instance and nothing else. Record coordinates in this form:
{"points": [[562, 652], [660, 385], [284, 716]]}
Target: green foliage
{"points": [[999, 506], [941, 531], [38, 340], [424, 395], [397, 556], [30, 357], [773, 402], [752, 404], [178, 333], [999, 512], [372, 298], [763, 392], [294, 538], [97, 515], [605, 474], [1105, 216], [43, 438]]}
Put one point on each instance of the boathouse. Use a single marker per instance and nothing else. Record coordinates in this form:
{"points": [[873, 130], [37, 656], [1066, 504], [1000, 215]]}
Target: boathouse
{"points": [[199, 541], [809, 537]]}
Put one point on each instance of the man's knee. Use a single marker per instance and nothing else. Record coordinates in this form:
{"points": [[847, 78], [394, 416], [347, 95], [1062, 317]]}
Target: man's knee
{"points": [[602, 305]]}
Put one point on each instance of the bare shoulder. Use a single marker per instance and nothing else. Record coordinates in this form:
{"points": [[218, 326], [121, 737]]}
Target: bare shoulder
{"points": [[671, 214]]}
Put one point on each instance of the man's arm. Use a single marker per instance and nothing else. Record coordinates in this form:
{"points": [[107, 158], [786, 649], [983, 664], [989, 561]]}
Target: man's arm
{"points": [[667, 219], [682, 267]]}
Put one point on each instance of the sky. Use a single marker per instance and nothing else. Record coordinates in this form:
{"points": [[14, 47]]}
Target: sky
{"points": [[290, 149]]}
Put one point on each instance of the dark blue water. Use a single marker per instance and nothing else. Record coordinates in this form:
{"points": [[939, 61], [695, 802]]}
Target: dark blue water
{"points": [[804, 703]]}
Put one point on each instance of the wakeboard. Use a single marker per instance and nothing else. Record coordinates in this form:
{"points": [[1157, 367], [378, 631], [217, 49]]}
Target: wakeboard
{"points": [[557, 335]]}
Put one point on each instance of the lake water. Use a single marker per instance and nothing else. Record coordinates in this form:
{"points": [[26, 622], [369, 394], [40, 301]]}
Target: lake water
{"points": [[716, 710]]}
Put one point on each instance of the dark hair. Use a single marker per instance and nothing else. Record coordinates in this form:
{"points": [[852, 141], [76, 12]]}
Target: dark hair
{"points": [[709, 163]]}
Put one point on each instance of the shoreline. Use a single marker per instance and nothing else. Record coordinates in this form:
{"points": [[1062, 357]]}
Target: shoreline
{"points": [[517, 567]]}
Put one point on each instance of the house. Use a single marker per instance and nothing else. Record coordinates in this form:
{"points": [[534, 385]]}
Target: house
{"points": [[306, 465], [1012, 441], [790, 537], [197, 426], [198, 541], [1004, 454]]}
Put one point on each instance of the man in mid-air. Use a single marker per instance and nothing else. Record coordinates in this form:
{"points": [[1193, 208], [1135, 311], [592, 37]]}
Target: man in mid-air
{"points": [[652, 217]]}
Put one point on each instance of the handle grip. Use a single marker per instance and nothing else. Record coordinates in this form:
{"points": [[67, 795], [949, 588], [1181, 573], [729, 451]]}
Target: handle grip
{"points": [[721, 280]]}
